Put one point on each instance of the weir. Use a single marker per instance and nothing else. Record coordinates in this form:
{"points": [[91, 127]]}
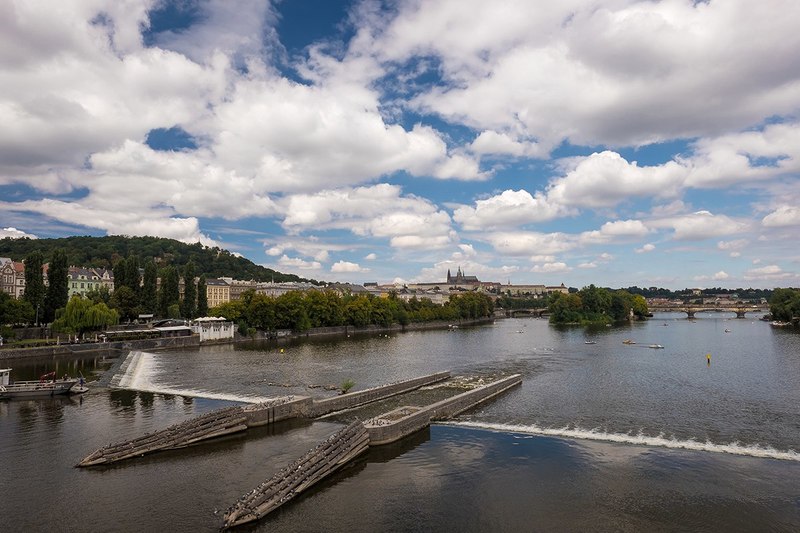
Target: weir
{"points": [[319, 462], [347, 444], [238, 418]]}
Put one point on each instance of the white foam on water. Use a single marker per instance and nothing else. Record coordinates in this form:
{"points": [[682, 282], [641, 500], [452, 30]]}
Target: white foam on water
{"points": [[138, 372], [643, 440]]}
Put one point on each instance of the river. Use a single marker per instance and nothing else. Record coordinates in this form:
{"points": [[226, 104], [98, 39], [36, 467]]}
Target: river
{"points": [[602, 437]]}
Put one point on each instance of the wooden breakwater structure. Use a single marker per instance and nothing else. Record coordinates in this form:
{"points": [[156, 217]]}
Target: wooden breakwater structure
{"points": [[316, 464], [214, 424], [239, 418], [210, 425]]}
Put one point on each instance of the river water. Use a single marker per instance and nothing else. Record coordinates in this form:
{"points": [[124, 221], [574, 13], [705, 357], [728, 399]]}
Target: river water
{"points": [[600, 437]]}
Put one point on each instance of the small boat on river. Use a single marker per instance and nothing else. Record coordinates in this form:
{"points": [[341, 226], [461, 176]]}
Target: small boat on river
{"points": [[628, 341], [656, 346], [589, 342], [46, 386]]}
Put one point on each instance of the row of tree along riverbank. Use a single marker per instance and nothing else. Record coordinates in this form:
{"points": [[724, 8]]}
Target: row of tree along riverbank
{"points": [[193, 341]]}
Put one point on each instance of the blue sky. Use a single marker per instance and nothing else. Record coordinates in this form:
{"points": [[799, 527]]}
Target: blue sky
{"points": [[614, 142]]}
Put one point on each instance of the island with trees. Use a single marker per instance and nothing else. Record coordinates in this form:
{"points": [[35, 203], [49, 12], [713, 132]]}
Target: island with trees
{"points": [[596, 305]]}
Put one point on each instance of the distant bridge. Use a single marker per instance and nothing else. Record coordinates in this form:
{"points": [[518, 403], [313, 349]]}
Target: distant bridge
{"points": [[513, 313], [691, 309]]}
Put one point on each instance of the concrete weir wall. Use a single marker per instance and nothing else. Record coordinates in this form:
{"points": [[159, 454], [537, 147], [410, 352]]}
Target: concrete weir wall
{"points": [[386, 428], [466, 400], [382, 431], [354, 399], [261, 414]]}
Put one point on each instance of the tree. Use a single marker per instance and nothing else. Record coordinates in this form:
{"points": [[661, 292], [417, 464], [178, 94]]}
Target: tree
{"points": [[324, 308], [381, 314], [15, 312], [132, 277], [596, 301], [291, 313], [639, 306], [233, 310], [99, 295], [120, 274], [189, 307], [174, 311], [34, 283], [358, 311], [81, 315], [126, 303], [202, 296], [170, 290], [261, 312], [785, 304], [57, 284], [149, 299], [621, 303], [565, 308]]}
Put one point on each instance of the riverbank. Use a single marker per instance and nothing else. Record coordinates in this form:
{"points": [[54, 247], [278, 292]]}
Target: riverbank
{"points": [[71, 349]]}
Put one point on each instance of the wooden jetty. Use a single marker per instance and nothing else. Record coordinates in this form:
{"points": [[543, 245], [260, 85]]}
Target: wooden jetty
{"points": [[318, 463]]}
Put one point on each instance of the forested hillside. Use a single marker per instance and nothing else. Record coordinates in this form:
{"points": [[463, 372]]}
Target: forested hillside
{"points": [[106, 251]]}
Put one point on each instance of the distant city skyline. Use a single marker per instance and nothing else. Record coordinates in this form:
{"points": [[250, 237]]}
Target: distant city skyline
{"points": [[614, 143]]}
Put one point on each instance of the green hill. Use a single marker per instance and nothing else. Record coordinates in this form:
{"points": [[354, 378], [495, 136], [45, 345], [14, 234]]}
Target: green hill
{"points": [[106, 251]]}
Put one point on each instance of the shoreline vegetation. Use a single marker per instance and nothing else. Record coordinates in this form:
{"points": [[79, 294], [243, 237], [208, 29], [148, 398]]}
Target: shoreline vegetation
{"points": [[301, 311], [63, 349]]}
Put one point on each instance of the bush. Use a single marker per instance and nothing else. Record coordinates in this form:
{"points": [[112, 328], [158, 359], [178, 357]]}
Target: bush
{"points": [[347, 385]]}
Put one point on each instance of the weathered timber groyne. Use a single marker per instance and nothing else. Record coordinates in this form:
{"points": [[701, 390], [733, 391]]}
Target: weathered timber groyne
{"points": [[319, 462], [214, 424]]}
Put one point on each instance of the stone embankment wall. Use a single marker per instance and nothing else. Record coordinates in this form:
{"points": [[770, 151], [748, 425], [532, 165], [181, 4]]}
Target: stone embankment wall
{"points": [[395, 328], [194, 340], [90, 347], [356, 398]]}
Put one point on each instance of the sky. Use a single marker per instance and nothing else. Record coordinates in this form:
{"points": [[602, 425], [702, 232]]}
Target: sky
{"points": [[614, 142]]}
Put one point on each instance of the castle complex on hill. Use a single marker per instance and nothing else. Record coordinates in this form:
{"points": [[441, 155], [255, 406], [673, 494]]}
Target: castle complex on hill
{"points": [[461, 279]]}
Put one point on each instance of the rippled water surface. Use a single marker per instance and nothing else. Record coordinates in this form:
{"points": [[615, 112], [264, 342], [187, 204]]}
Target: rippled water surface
{"points": [[603, 436]]}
